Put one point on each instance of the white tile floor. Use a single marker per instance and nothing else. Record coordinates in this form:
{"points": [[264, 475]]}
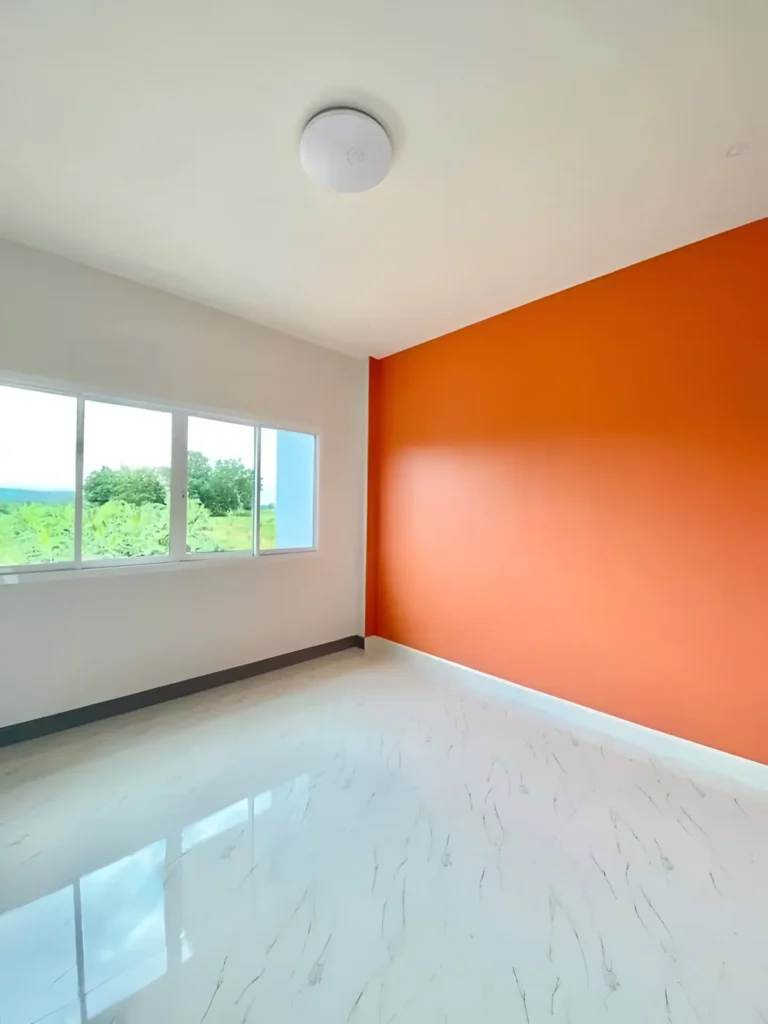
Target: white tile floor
{"points": [[347, 842]]}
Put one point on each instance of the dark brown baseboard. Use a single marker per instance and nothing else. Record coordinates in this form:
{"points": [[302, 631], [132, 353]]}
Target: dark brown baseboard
{"points": [[159, 695]]}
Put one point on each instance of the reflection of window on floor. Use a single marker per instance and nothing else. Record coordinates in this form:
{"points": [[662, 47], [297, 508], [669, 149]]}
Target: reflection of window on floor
{"points": [[292, 798], [262, 803], [123, 927], [214, 825], [38, 961], [203, 882], [71, 955]]}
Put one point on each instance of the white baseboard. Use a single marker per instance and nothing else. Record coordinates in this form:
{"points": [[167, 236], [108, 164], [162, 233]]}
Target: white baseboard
{"points": [[622, 733]]}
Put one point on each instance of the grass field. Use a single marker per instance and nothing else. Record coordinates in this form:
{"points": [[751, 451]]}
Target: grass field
{"points": [[267, 529], [233, 532]]}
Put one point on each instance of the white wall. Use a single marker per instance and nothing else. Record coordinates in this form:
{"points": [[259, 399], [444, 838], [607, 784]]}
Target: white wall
{"points": [[67, 642]]}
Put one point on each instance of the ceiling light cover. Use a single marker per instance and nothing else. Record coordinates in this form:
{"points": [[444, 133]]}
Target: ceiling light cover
{"points": [[345, 150]]}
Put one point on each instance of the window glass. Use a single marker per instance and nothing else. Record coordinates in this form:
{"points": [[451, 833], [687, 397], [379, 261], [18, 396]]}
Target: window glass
{"points": [[220, 485], [38, 439], [126, 473], [287, 517]]}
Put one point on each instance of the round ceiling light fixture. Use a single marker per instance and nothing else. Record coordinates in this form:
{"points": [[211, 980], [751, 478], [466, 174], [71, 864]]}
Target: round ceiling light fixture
{"points": [[345, 150]]}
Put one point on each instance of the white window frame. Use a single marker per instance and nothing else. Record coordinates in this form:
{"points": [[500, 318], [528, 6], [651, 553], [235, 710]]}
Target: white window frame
{"points": [[178, 555]]}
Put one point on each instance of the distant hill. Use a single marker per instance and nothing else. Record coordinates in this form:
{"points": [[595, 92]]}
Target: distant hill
{"points": [[21, 496]]}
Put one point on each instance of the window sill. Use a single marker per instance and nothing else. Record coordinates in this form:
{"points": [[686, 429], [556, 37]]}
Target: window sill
{"points": [[100, 572]]}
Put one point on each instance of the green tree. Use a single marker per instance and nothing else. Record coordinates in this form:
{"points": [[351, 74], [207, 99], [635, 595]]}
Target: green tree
{"points": [[198, 478], [140, 486], [231, 488], [223, 488], [101, 486]]}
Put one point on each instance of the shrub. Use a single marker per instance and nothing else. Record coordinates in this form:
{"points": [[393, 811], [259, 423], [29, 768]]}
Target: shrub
{"points": [[118, 529]]}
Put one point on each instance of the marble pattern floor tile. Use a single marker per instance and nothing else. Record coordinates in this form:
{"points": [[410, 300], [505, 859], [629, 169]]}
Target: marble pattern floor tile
{"points": [[350, 843]]}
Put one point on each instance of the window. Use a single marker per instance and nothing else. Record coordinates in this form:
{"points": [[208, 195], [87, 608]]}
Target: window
{"points": [[287, 508], [220, 486], [38, 434], [86, 481], [127, 475]]}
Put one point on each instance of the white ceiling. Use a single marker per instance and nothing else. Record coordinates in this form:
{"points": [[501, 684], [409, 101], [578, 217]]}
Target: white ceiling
{"points": [[538, 143]]}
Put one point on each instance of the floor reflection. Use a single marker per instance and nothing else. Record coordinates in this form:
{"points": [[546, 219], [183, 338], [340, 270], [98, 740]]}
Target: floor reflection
{"points": [[75, 954], [38, 962], [214, 825], [123, 923]]}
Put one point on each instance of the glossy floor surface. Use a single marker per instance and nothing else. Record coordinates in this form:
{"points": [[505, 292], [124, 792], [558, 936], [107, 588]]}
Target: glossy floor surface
{"points": [[350, 843]]}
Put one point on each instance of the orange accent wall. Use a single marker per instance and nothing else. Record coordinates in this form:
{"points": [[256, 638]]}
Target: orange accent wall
{"points": [[574, 495]]}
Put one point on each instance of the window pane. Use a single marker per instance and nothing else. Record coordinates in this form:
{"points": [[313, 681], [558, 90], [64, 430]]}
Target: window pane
{"points": [[220, 486], [127, 472], [287, 489], [38, 439]]}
